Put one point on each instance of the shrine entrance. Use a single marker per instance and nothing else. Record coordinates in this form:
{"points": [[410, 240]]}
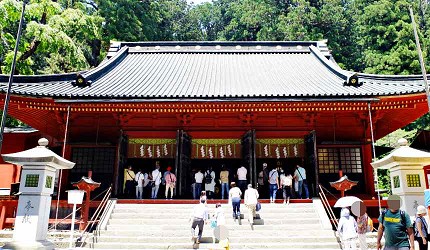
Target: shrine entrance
{"points": [[186, 155]]}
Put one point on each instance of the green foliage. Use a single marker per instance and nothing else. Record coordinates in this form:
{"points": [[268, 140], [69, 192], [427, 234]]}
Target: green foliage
{"points": [[373, 36], [391, 139], [11, 122], [55, 38], [384, 180], [387, 38]]}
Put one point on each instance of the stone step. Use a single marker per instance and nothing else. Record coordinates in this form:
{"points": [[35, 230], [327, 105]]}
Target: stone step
{"points": [[187, 214], [170, 221], [143, 212], [168, 226], [211, 206], [162, 245], [233, 232], [119, 205], [208, 239], [266, 226]]}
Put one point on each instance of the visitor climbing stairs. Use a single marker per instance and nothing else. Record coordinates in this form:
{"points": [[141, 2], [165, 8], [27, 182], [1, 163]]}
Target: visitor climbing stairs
{"points": [[167, 226]]}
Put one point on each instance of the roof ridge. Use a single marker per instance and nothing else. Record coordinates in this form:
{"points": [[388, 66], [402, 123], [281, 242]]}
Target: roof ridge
{"points": [[100, 70], [329, 64], [194, 43]]}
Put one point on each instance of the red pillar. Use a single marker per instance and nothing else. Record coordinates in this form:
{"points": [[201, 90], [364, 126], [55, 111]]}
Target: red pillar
{"points": [[2, 216], [368, 169]]}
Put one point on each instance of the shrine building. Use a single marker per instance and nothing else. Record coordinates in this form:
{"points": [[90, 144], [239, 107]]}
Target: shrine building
{"points": [[193, 105]]}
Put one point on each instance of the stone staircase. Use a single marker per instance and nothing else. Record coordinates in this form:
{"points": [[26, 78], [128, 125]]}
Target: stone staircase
{"points": [[167, 226]]}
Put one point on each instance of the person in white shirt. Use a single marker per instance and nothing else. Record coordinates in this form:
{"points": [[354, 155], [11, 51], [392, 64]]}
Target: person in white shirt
{"points": [[198, 177], [139, 188], [146, 186], [219, 219], [251, 200], [156, 178], [199, 216], [273, 184], [234, 199], [241, 178], [347, 229], [300, 177], [286, 184]]}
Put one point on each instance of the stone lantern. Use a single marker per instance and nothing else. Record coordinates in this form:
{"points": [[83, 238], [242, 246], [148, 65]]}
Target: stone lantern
{"points": [[406, 174], [39, 165]]}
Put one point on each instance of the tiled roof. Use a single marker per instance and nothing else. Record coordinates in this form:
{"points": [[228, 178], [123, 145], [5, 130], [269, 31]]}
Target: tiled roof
{"points": [[215, 70]]}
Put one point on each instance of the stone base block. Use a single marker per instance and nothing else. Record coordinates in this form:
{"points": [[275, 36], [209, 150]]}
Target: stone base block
{"points": [[33, 245]]}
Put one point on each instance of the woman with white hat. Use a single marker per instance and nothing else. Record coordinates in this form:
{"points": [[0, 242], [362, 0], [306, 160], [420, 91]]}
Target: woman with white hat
{"points": [[347, 229], [421, 228]]}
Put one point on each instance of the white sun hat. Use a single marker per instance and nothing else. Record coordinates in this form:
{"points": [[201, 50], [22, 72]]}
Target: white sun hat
{"points": [[421, 210]]}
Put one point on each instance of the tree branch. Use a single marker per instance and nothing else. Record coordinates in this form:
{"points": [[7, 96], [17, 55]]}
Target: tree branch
{"points": [[34, 44]]}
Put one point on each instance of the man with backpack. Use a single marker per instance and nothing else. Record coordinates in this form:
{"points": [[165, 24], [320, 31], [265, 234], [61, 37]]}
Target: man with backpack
{"points": [[210, 182], [396, 226]]}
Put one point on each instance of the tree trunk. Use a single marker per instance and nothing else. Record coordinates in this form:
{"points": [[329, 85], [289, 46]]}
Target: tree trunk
{"points": [[34, 44], [96, 46]]}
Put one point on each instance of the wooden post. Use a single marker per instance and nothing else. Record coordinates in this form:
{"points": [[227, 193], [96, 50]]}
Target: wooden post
{"points": [[85, 211], [2, 216], [87, 185]]}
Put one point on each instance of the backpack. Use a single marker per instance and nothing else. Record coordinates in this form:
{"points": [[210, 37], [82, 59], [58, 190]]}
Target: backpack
{"points": [[369, 224], [208, 178], [402, 216]]}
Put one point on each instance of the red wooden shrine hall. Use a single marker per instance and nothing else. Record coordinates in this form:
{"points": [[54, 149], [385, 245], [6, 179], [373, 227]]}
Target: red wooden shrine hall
{"points": [[192, 105]]}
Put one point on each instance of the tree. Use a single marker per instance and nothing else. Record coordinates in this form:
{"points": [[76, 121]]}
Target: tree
{"points": [[386, 38], [55, 38], [208, 20], [299, 22], [128, 20], [247, 20]]}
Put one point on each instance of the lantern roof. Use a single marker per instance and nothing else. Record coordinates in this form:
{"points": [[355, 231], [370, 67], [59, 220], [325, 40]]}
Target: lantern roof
{"points": [[403, 153], [86, 183], [38, 157], [343, 184]]}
